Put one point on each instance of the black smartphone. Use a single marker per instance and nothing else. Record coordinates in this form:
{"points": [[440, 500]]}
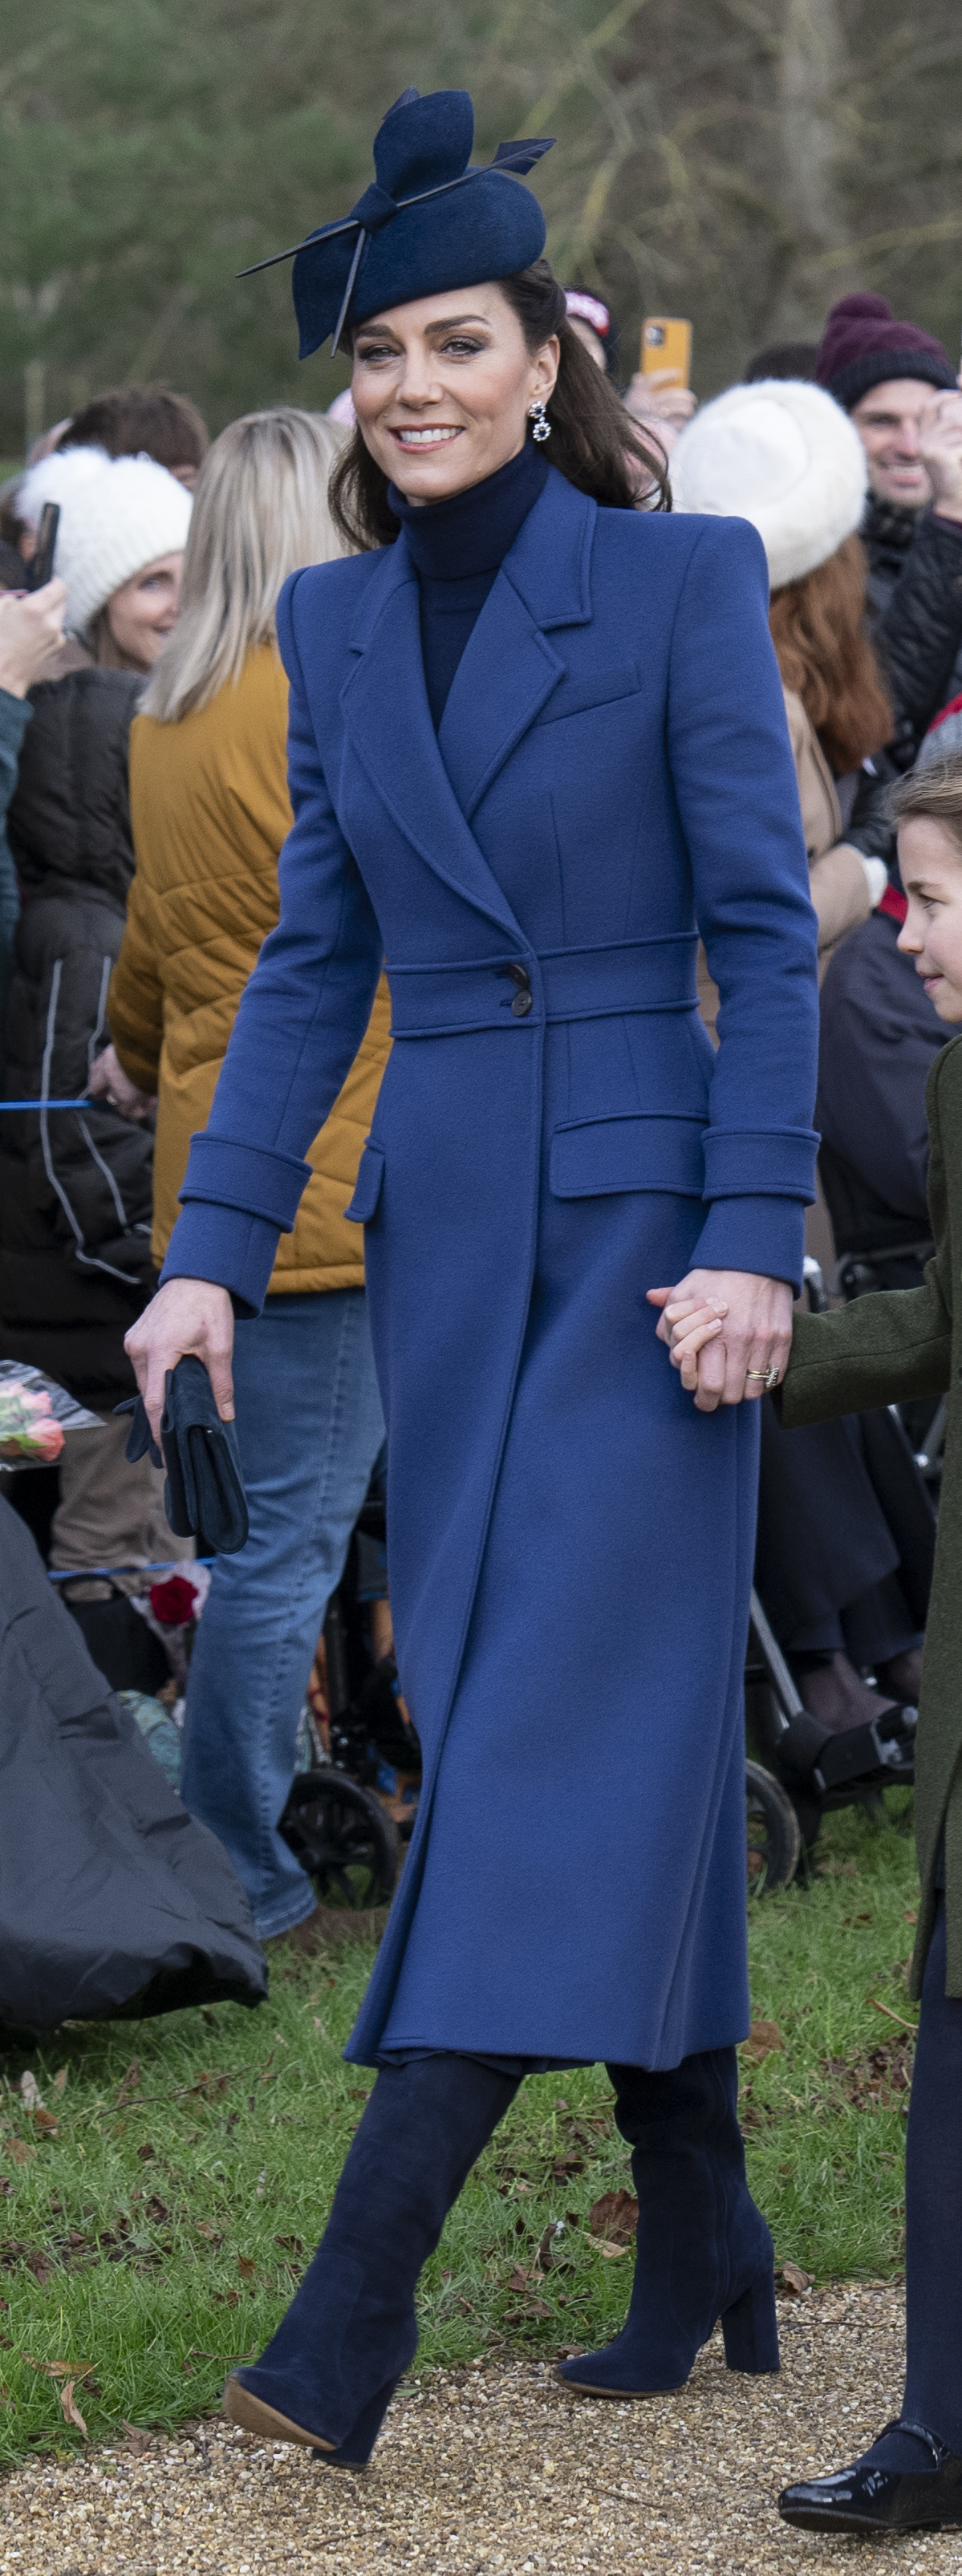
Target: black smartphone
{"points": [[41, 568]]}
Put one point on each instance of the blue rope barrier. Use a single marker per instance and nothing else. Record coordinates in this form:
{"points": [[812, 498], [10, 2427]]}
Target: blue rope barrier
{"points": [[48, 1104]]}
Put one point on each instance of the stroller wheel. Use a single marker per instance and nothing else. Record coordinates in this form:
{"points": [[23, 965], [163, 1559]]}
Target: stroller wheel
{"points": [[343, 1839], [774, 1838]]}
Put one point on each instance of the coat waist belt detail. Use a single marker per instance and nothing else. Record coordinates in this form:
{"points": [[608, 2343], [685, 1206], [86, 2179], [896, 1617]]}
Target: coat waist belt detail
{"points": [[560, 984]]}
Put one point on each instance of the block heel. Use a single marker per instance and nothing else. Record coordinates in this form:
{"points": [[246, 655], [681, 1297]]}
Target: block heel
{"points": [[750, 2328]]}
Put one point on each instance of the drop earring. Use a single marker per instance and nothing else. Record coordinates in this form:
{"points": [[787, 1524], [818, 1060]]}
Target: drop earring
{"points": [[542, 426]]}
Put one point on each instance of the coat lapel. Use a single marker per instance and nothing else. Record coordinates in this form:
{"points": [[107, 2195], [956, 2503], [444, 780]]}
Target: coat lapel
{"points": [[509, 669], [388, 721], [430, 784]]}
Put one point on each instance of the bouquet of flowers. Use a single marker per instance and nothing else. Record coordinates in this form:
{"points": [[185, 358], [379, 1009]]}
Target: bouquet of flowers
{"points": [[34, 1415]]}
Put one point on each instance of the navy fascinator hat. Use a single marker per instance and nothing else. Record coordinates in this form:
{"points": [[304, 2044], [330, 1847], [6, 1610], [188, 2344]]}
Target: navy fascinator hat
{"points": [[430, 221]]}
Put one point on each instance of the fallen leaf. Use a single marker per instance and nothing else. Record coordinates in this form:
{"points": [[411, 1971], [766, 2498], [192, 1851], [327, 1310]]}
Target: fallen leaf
{"points": [[69, 2407], [246, 2267], [892, 2016], [30, 2091], [612, 2253], [792, 2280], [44, 2120], [19, 2152], [59, 2081], [146, 2154], [763, 2038], [615, 2217], [909, 1917], [60, 2369], [137, 2441]]}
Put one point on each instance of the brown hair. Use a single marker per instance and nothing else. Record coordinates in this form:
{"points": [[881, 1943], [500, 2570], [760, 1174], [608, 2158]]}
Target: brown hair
{"points": [[930, 795], [595, 443], [824, 654], [141, 420]]}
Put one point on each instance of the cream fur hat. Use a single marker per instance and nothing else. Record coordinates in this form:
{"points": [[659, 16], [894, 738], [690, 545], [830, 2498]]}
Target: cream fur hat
{"points": [[783, 454], [117, 513]]}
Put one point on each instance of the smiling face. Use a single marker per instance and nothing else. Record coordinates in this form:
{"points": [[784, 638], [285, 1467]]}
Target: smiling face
{"points": [[141, 613], [888, 423], [930, 859], [442, 389]]}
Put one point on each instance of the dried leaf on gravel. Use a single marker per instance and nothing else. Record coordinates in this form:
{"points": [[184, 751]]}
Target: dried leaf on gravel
{"points": [[792, 2281], [615, 2216]]}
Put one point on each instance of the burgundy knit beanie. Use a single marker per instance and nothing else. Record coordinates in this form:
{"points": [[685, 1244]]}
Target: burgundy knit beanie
{"points": [[863, 345]]}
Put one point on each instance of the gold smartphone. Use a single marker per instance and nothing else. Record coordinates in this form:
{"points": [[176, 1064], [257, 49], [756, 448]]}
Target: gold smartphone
{"points": [[666, 342]]}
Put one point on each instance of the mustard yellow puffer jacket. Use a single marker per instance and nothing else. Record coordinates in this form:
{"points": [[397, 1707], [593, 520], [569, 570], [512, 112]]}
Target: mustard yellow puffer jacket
{"points": [[210, 809]]}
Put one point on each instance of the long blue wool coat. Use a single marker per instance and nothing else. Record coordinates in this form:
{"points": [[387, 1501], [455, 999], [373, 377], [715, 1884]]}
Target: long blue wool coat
{"points": [[570, 1542]]}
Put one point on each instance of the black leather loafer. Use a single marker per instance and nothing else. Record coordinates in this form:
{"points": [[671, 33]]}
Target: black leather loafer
{"points": [[872, 2499]]}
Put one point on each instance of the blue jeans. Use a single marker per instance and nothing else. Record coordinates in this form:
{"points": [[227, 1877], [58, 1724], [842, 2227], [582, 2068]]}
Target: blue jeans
{"points": [[310, 1427]]}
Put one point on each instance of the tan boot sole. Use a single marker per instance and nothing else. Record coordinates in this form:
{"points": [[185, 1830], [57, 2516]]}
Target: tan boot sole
{"points": [[242, 2407]]}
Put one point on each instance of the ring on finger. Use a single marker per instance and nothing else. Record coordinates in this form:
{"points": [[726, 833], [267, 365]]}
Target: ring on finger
{"points": [[769, 1377]]}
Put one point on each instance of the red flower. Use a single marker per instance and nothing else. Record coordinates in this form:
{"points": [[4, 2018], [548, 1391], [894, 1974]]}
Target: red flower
{"points": [[172, 1602]]}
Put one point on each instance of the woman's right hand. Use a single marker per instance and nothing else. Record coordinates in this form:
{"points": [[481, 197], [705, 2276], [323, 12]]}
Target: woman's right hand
{"points": [[187, 1317]]}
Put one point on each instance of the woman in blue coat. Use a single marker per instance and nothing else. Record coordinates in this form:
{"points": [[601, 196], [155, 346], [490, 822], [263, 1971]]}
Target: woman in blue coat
{"points": [[537, 742]]}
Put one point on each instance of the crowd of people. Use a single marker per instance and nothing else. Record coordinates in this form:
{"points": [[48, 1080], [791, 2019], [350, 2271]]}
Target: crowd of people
{"points": [[179, 694]]}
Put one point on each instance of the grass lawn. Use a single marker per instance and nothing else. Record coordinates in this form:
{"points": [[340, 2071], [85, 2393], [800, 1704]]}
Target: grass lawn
{"points": [[160, 2199]]}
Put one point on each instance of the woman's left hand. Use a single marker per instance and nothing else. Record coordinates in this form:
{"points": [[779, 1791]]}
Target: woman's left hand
{"points": [[726, 1331]]}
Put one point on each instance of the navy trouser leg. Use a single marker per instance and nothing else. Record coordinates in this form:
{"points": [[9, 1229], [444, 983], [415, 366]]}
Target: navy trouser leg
{"points": [[703, 2249], [933, 2227], [351, 2329]]}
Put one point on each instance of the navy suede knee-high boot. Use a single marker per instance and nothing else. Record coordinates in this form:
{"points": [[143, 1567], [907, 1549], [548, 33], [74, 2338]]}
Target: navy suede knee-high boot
{"points": [[327, 2375], [703, 2249]]}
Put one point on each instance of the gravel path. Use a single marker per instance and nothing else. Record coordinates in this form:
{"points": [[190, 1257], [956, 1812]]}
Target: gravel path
{"points": [[494, 2472]]}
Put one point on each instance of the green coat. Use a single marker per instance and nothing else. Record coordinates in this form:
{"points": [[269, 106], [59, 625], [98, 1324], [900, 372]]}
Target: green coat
{"points": [[882, 1350]]}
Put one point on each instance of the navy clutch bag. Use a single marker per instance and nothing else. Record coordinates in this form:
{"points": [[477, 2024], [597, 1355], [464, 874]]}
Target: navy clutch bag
{"points": [[204, 1493]]}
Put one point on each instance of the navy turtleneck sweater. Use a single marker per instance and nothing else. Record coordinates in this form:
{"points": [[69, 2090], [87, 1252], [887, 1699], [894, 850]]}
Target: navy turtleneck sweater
{"points": [[458, 547]]}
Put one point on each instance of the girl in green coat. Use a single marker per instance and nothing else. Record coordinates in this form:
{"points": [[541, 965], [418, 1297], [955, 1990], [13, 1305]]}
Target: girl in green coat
{"points": [[880, 1350]]}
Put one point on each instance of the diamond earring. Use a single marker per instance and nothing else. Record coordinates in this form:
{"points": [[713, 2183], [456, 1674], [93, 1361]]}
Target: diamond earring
{"points": [[542, 427]]}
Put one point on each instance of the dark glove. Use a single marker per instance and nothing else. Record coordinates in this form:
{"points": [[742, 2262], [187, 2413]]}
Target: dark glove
{"points": [[204, 1493]]}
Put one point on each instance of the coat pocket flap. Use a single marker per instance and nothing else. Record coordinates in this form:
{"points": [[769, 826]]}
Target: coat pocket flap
{"points": [[599, 1156], [367, 1189]]}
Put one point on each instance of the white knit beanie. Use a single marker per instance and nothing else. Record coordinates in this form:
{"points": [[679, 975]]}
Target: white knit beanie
{"points": [[117, 513], [783, 454]]}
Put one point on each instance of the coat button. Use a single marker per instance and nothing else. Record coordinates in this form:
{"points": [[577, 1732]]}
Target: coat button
{"points": [[521, 1004]]}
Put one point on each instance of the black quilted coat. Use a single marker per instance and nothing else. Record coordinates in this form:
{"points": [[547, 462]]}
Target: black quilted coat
{"points": [[75, 1186]]}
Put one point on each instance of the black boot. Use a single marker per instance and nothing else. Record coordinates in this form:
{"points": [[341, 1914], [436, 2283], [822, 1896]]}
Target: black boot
{"points": [[703, 2249], [329, 2372], [911, 2478]]}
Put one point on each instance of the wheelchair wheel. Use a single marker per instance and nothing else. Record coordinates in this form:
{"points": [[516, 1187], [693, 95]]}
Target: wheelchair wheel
{"points": [[340, 1834], [774, 1838]]}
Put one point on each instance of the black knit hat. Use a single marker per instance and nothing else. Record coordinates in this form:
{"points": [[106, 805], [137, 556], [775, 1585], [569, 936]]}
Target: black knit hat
{"points": [[863, 345]]}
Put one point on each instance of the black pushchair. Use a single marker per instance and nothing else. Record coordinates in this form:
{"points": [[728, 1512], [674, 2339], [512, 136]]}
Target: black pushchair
{"points": [[805, 1773]]}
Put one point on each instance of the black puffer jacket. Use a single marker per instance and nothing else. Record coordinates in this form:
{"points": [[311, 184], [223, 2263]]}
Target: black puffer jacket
{"points": [[75, 1186], [915, 608]]}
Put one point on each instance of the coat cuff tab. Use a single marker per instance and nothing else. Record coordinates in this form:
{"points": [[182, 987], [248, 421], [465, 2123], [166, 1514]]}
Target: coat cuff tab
{"points": [[754, 1162], [247, 1178]]}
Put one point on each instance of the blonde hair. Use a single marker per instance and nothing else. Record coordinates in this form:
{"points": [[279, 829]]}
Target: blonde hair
{"points": [[260, 512]]}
